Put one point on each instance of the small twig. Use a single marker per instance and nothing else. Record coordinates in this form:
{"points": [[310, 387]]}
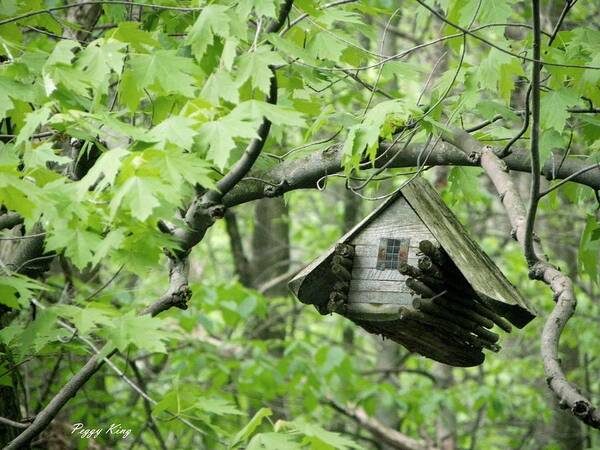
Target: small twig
{"points": [[99, 2], [104, 286], [528, 249], [484, 124], [12, 423], [18, 238], [497, 47], [569, 178]]}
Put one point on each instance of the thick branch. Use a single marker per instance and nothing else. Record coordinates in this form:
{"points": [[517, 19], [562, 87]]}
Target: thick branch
{"points": [[178, 290], [10, 220], [240, 260], [206, 208], [386, 435], [303, 173], [561, 285]]}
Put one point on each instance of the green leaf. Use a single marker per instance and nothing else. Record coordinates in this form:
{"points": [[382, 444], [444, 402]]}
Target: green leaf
{"points": [[63, 53], [33, 120], [143, 332], [41, 155], [381, 120], [245, 433], [554, 108], [269, 441], [138, 193], [78, 243], [325, 46], [11, 89], [278, 115], [218, 136], [497, 72], [103, 173], [175, 130], [316, 435], [100, 57], [217, 406], [221, 85], [88, 318], [262, 7], [164, 70], [42, 331], [16, 290], [180, 166], [212, 21], [130, 33], [254, 66]]}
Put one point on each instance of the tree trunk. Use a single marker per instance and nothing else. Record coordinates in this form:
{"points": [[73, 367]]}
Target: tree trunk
{"points": [[9, 400], [446, 419], [270, 244]]}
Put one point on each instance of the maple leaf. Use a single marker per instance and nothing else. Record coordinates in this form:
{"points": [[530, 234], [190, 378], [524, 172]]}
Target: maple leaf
{"points": [[165, 69], [213, 20], [144, 332], [218, 136], [175, 130], [254, 66], [555, 106]]}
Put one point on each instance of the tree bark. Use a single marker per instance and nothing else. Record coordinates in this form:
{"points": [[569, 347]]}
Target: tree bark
{"points": [[270, 244]]}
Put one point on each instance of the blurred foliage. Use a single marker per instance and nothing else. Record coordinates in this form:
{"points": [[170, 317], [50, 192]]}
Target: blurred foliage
{"points": [[169, 98]]}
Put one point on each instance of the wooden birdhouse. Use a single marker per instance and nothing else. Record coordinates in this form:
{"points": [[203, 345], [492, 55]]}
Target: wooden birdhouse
{"points": [[411, 273]]}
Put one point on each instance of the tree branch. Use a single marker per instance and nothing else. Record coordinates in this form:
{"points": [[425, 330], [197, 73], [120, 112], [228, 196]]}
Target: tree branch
{"points": [[240, 260], [535, 138], [387, 435], [175, 295], [305, 172], [12, 423], [561, 285], [98, 2], [206, 208], [10, 220]]}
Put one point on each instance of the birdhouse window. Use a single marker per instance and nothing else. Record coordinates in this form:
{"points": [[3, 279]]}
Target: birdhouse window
{"points": [[391, 252]]}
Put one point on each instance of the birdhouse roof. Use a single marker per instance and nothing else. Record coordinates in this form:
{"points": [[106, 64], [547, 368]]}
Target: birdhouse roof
{"points": [[313, 284]]}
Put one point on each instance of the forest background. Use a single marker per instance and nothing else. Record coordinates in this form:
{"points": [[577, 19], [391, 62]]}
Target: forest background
{"points": [[167, 166]]}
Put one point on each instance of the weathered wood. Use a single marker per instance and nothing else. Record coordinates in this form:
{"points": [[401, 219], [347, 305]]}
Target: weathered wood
{"points": [[376, 298], [433, 252], [480, 309], [464, 311], [370, 262], [420, 288], [446, 325], [396, 298], [426, 265], [340, 272], [428, 306], [360, 273], [426, 339], [342, 286], [479, 270], [357, 285], [342, 261], [487, 335], [413, 272], [344, 250], [338, 302], [397, 221], [371, 250]]}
